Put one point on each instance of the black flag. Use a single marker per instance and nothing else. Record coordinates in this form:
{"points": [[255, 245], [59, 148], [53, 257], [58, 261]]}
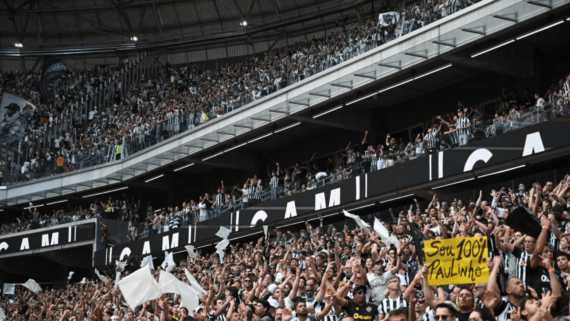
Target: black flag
{"points": [[54, 70], [418, 239], [521, 220]]}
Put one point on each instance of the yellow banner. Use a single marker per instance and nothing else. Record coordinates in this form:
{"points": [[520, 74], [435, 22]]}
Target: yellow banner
{"points": [[457, 261]]}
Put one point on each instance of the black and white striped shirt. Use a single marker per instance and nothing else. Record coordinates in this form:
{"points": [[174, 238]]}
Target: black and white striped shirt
{"points": [[221, 317], [258, 192], [461, 123], [504, 309], [274, 182], [389, 304], [523, 263], [431, 140], [220, 199]]}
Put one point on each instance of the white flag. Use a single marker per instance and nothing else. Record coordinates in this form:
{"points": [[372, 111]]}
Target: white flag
{"points": [[191, 252], [380, 229], [193, 282], [220, 247], [224, 232], [32, 286], [120, 266], [168, 283], [265, 228], [357, 219], [101, 277], [139, 287], [2, 315], [147, 260], [168, 259], [9, 288], [83, 281]]}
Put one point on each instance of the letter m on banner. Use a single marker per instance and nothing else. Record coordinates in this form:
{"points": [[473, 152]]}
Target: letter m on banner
{"points": [[334, 200], [54, 239], [165, 242]]}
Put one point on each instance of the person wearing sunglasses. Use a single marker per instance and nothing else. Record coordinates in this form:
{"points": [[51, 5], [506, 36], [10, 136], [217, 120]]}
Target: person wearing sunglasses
{"points": [[445, 312], [358, 308]]}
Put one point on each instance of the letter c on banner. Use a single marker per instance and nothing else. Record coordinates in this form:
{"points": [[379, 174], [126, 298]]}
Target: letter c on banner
{"points": [[481, 154], [3, 246], [125, 252], [259, 216]]}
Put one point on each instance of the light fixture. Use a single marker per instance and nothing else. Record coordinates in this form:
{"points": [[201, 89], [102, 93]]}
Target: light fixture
{"points": [[357, 208], [361, 98], [504, 43], [183, 167], [212, 156], [287, 127], [433, 71], [152, 179], [396, 85], [328, 111], [397, 198], [465, 180], [539, 30], [258, 138], [240, 237], [29, 207], [134, 38], [504, 170], [18, 45], [101, 193], [56, 202], [232, 148], [243, 23]]}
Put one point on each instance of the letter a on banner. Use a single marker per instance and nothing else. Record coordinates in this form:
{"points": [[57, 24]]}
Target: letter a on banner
{"points": [[457, 261]]}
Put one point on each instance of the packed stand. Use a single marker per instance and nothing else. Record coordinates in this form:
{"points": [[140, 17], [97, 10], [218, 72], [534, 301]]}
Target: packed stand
{"points": [[111, 112], [352, 273], [511, 112]]}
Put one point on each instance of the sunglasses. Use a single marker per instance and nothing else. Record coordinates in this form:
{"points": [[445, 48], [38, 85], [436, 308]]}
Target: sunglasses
{"points": [[360, 292], [442, 317]]}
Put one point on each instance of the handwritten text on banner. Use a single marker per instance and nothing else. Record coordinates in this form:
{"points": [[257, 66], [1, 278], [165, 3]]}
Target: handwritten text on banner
{"points": [[457, 261]]}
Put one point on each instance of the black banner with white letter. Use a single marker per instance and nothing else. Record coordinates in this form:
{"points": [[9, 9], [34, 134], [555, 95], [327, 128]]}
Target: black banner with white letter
{"points": [[477, 155], [54, 69], [47, 238]]}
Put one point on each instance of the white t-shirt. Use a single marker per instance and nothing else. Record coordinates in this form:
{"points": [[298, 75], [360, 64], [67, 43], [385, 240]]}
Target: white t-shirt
{"points": [[92, 114], [245, 195], [202, 207]]}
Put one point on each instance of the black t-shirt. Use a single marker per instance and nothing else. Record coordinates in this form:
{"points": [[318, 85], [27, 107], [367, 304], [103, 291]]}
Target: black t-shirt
{"points": [[392, 149], [368, 311]]}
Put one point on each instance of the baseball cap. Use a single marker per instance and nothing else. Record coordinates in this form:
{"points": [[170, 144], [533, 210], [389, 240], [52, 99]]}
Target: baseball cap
{"points": [[273, 303], [198, 308]]}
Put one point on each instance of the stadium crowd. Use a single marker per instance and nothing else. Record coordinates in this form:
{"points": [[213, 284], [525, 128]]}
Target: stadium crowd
{"points": [[98, 115], [350, 274]]}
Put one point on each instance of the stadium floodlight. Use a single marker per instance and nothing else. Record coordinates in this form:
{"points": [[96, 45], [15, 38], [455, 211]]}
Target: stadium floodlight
{"points": [[243, 23], [183, 167], [328, 111], [56, 202], [504, 43], [18, 45], [134, 38], [539, 30], [287, 127], [503, 171], [465, 180], [105, 192]]}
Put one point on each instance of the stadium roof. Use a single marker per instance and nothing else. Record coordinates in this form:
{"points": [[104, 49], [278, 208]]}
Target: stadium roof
{"points": [[63, 26]]}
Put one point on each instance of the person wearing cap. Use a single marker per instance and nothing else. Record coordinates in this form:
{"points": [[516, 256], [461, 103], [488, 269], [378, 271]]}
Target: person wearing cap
{"points": [[200, 313], [379, 279]]}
